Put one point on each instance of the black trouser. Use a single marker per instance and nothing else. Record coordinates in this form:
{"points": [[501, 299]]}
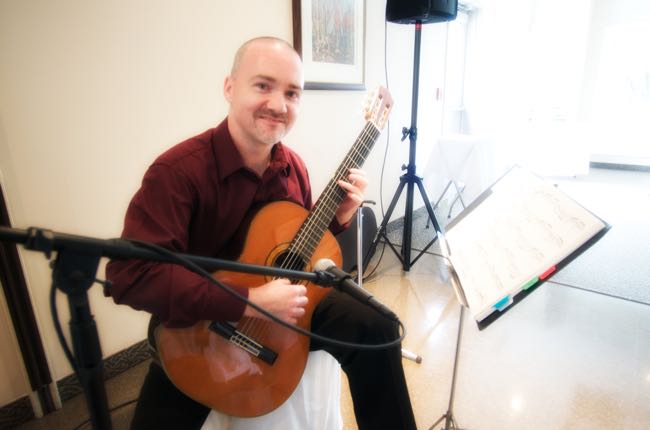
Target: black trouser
{"points": [[376, 378]]}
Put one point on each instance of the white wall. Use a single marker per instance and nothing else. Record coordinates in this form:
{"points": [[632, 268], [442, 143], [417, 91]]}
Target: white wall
{"points": [[616, 92], [91, 92]]}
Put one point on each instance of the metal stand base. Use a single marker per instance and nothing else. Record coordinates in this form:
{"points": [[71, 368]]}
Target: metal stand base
{"points": [[360, 266], [448, 417]]}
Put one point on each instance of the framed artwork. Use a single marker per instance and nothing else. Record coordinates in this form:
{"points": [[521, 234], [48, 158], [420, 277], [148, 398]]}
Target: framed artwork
{"points": [[330, 37]]}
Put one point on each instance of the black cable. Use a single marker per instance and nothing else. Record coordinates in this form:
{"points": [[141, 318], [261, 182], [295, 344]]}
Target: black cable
{"points": [[195, 268], [205, 274], [383, 164], [59, 331]]}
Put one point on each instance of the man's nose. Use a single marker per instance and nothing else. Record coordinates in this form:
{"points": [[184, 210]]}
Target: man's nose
{"points": [[277, 102]]}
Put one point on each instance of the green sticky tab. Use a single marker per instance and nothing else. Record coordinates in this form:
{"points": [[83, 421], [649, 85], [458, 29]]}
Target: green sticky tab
{"points": [[530, 283]]}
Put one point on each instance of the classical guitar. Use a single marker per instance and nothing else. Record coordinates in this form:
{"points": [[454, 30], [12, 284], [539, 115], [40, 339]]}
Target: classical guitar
{"points": [[250, 367]]}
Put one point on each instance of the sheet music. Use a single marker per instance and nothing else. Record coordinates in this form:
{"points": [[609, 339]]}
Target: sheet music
{"points": [[522, 228]]}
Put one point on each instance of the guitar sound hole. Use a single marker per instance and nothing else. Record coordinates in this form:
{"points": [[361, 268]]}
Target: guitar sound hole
{"points": [[290, 261]]}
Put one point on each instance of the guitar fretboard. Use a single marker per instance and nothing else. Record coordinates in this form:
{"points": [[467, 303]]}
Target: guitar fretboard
{"points": [[311, 232]]}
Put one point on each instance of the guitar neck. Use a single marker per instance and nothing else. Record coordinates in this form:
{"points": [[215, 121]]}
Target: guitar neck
{"points": [[320, 217]]}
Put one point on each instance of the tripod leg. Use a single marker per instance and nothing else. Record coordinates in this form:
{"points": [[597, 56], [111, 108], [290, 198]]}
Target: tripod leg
{"points": [[408, 227], [381, 231], [427, 203]]}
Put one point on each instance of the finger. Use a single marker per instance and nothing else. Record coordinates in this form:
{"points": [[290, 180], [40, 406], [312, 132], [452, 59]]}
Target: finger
{"points": [[352, 190], [301, 290], [356, 171], [297, 312], [359, 181], [356, 198], [349, 187]]}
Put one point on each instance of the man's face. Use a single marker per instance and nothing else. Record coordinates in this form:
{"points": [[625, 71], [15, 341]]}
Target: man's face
{"points": [[264, 93]]}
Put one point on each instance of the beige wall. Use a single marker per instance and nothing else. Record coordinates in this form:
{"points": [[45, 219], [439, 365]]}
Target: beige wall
{"points": [[12, 372], [91, 92]]}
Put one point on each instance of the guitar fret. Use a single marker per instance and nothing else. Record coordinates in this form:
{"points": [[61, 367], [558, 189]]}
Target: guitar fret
{"points": [[312, 230]]}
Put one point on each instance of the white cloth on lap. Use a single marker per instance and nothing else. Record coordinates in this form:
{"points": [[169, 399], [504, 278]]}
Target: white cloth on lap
{"points": [[315, 404]]}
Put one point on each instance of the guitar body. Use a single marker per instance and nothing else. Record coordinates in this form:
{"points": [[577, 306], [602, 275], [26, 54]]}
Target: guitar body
{"points": [[216, 372]]}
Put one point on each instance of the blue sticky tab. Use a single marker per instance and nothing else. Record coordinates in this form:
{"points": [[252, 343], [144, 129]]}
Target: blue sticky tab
{"points": [[503, 303]]}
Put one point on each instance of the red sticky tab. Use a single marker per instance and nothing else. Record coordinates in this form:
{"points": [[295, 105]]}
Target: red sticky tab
{"points": [[547, 273]]}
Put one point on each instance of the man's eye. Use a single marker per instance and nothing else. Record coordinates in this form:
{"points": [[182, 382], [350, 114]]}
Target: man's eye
{"points": [[262, 86], [293, 95]]}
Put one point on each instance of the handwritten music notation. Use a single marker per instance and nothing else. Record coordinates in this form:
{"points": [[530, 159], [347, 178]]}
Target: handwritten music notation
{"points": [[522, 226]]}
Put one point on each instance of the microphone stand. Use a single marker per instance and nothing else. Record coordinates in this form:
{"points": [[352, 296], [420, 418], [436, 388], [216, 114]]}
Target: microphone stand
{"points": [[74, 272]]}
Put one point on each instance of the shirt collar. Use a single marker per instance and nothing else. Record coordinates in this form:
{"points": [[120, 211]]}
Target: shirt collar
{"points": [[229, 160]]}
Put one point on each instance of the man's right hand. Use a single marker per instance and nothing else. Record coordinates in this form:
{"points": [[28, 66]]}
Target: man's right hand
{"points": [[280, 297]]}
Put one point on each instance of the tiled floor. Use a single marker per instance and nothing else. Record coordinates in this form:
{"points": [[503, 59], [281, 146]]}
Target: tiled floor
{"points": [[563, 358]]}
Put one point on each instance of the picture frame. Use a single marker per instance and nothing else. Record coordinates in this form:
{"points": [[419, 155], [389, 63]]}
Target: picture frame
{"points": [[329, 35]]}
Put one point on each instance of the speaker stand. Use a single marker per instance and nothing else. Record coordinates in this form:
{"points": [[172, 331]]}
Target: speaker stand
{"points": [[409, 179]]}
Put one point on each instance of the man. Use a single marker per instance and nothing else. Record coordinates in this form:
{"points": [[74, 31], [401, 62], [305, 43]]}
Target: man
{"points": [[192, 200]]}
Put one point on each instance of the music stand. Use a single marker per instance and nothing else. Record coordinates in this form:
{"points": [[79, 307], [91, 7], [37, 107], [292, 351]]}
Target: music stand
{"points": [[448, 416]]}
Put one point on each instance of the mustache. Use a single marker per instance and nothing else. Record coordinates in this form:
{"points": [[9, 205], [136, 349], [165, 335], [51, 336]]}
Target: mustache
{"points": [[278, 116]]}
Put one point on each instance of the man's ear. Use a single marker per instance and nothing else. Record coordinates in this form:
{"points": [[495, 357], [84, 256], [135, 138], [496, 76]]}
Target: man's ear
{"points": [[227, 88]]}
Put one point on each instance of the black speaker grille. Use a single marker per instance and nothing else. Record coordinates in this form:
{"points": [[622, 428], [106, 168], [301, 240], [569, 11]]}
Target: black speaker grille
{"points": [[425, 11]]}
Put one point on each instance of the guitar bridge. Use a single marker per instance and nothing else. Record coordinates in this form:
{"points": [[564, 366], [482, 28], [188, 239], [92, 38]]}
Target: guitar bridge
{"points": [[243, 341]]}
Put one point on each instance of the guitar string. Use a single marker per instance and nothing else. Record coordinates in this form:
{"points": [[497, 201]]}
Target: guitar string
{"points": [[307, 240], [299, 250], [324, 209], [256, 327]]}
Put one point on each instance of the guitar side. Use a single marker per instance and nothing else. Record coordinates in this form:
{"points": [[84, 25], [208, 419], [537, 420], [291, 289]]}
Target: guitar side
{"points": [[223, 376]]}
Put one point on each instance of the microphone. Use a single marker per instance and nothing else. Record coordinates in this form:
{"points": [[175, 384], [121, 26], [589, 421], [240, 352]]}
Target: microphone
{"points": [[342, 281]]}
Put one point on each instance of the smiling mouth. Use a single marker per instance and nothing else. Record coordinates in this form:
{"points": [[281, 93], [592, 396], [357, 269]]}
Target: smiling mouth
{"points": [[269, 116], [273, 120]]}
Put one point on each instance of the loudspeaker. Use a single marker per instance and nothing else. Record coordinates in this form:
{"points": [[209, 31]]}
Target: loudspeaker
{"points": [[425, 11]]}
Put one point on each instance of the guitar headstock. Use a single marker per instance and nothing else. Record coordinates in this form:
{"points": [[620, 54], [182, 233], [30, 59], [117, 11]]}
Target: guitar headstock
{"points": [[377, 107]]}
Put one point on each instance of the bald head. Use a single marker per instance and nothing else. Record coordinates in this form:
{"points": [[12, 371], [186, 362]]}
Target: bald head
{"points": [[264, 41], [264, 90]]}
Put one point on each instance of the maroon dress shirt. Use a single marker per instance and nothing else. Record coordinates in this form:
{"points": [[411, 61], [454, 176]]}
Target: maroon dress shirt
{"points": [[192, 200]]}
